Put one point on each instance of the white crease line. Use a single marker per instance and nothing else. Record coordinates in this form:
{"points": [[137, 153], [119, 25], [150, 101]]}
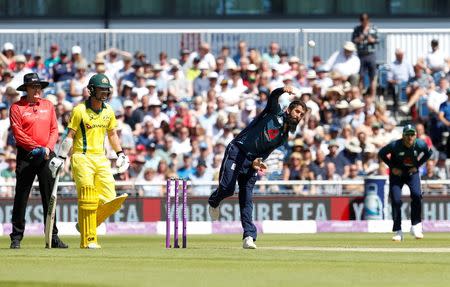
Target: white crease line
{"points": [[361, 249]]}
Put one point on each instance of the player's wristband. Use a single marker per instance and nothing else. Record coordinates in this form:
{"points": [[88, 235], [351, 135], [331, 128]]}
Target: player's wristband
{"points": [[119, 152]]}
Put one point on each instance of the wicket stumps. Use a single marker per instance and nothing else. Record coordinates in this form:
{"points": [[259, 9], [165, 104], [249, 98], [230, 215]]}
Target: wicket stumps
{"points": [[175, 182]]}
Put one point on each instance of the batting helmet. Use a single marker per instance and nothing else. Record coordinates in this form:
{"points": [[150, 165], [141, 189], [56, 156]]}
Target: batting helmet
{"points": [[98, 81]]}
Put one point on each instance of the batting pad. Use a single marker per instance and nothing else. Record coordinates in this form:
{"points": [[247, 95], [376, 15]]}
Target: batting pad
{"points": [[87, 215], [109, 208]]}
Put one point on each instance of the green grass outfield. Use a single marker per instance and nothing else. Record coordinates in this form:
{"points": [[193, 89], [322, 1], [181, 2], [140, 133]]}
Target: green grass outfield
{"points": [[324, 259]]}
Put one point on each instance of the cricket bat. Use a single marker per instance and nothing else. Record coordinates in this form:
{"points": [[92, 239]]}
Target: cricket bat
{"points": [[51, 213]]}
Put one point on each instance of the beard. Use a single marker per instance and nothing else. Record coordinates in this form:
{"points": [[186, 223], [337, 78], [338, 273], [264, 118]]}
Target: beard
{"points": [[292, 123]]}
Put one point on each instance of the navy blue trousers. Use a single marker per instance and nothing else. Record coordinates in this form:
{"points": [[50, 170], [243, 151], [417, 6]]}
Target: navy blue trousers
{"points": [[236, 167], [395, 193]]}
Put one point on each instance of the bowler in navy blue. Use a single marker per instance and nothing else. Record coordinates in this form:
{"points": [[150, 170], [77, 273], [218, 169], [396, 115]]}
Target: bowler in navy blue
{"points": [[245, 154], [406, 156]]}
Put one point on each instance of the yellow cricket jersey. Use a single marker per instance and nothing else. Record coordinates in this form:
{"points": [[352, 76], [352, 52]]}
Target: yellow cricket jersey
{"points": [[91, 128]]}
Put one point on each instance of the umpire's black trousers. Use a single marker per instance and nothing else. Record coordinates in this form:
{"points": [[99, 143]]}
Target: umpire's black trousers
{"points": [[26, 171]]}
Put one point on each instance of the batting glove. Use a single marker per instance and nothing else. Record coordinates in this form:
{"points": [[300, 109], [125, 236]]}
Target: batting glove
{"points": [[55, 164], [122, 162]]}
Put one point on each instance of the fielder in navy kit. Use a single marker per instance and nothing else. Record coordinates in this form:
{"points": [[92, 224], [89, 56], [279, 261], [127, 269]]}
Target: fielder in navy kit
{"points": [[244, 157], [406, 156]]}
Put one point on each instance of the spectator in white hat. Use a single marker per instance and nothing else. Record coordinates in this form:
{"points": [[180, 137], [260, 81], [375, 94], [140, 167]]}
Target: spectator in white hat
{"points": [[7, 56], [20, 71], [356, 117], [346, 62]]}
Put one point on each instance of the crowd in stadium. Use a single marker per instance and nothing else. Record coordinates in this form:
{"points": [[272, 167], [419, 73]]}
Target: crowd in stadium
{"points": [[177, 115]]}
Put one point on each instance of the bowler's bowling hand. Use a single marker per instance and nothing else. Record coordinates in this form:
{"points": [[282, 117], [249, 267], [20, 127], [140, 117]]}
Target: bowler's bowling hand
{"points": [[288, 89], [259, 165]]}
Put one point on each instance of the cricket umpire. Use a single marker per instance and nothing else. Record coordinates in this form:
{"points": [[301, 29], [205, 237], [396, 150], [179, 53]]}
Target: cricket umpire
{"points": [[34, 126], [245, 154], [404, 157]]}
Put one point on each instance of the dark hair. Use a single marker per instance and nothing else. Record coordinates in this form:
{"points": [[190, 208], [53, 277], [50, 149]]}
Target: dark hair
{"points": [[363, 16], [297, 103]]}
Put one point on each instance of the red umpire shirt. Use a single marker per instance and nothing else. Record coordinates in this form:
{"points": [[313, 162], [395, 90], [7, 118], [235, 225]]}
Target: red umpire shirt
{"points": [[34, 124]]}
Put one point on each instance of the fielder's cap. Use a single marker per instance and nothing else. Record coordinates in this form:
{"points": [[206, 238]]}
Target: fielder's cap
{"points": [[27, 52], [349, 46], [409, 129], [434, 42], [31, 79]]}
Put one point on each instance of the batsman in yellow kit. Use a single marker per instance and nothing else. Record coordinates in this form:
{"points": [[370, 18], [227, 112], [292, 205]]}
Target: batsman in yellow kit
{"points": [[90, 122]]}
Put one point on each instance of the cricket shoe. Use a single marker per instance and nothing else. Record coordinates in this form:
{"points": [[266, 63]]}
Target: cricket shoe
{"points": [[15, 244], [398, 236], [248, 243], [57, 243], [93, 246], [416, 231], [214, 212]]}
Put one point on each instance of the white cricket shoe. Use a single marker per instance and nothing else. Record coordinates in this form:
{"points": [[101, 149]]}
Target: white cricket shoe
{"points": [[93, 246], [398, 236], [416, 231], [214, 212], [248, 243]]}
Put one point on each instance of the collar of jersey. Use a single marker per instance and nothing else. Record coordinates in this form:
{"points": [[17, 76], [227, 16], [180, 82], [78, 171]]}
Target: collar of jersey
{"points": [[88, 105]]}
